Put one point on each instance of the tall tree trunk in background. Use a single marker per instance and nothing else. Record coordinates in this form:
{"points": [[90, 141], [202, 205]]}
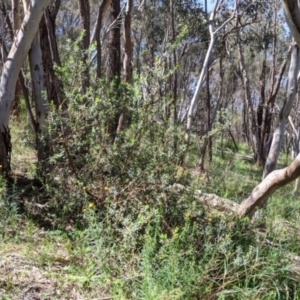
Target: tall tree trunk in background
{"points": [[250, 111], [194, 101], [10, 72], [174, 76], [127, 63], [96, 36], [113, 72], [16, 27], [268, 110], [50, 55], [114, 51], [262, 103], [284, 113], [84, 8], [38, 95], [207, 140]]}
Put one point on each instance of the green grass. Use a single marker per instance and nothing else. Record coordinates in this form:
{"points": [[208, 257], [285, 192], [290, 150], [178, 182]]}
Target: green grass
{"points": [[166, 250]]}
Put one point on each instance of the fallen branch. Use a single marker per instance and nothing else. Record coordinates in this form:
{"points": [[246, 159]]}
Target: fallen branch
{"points": [[256, 199]]}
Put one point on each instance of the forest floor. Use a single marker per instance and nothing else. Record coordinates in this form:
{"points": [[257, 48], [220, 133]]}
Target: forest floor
{"points": [[35, 264], [204, 259]]}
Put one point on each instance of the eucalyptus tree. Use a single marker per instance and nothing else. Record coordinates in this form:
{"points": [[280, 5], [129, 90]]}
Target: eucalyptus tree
{"points": [[51, 55], [10, 72], [127, 62], [213, 32], [85, 20], [275, 179], [292, 14]]}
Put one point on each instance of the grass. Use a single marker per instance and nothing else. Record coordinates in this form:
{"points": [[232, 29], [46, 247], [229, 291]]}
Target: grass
{"points": [[171, 250]]}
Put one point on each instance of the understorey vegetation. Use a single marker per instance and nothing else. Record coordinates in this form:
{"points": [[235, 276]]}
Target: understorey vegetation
{"points": [[148, 149]]}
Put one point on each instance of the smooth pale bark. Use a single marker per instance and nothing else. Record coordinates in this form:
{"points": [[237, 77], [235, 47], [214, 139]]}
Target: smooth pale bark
{"points": [[213, 33], [285, 111], [38, 92], [38, 87], [21, 75], [257, 198], [11, 70], [296, 137], [268, 186], [291, 10]]}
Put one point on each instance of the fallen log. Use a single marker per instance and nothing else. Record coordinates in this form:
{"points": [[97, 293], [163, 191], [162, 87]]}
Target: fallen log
{"points": [[256, 199]]}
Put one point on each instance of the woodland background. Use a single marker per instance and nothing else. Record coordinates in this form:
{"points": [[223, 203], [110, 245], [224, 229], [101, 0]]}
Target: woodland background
{"points": [[125, 127]]}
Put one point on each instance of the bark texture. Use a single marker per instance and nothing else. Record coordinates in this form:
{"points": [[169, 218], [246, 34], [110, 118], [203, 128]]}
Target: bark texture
{"points": [[292, 15], [284, 113], [12, 67], [49, 46], [84, 8], [127, 62], [268, 186], [96, 36], [113, 72], [114, 51]]}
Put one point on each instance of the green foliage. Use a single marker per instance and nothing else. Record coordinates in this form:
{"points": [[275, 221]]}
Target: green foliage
{"points": [[91, 164], [117, 225]]}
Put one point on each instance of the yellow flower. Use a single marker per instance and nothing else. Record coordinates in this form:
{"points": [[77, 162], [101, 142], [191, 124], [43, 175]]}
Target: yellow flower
{"points": [[187, 215], [91, 205], [106, 188], [0, 166], [84, 188]]}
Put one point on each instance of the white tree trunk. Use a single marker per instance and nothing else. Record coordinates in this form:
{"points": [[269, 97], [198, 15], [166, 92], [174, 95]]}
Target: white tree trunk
{"points": [[285, 111], [11, 69], [37, 76], [193, 105], [268, 186]]}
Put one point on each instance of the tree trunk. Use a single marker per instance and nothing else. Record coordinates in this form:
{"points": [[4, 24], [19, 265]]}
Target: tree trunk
{"points": [[268, 110], [193, 105], [84, 8], [53, 85], [114, 51], [268, 186], [127, 63], [38, 92], [12, 67], [16, 27], [262, 104], [250, 111], [113, 72], [96, 36], [285, 111]]}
